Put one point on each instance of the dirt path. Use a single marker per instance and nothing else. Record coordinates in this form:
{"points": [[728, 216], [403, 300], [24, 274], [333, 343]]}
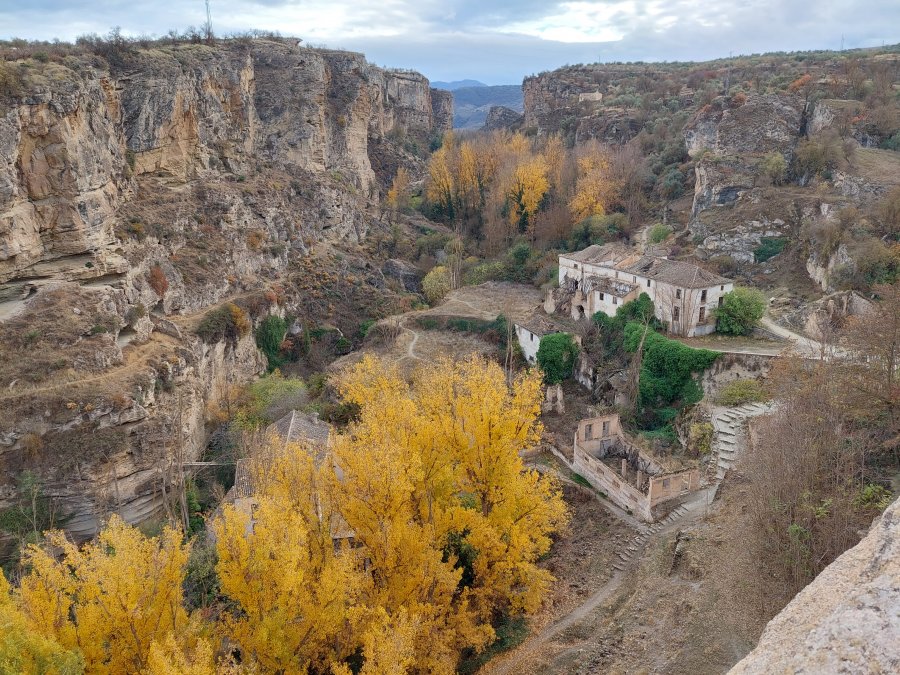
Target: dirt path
{"points": [[518, 660], [805, 346], [411, 347], [135, 357]]}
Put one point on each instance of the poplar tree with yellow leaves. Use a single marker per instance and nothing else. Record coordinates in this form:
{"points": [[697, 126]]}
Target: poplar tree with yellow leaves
{"points": [[24, 650], [296, 596], [398, 194], [110, 600], [596, 188], [439, 500], [527, 188]]}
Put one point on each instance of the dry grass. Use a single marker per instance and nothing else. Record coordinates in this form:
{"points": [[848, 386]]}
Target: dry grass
{"points": [[690, 614], [64, 330], [881, 167]]}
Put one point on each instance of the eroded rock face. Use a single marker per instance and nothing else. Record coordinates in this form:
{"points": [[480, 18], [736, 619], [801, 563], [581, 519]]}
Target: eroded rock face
{"points": [[69, 150], [741, 241], [763, 124], [501, 117], [730, 140], [847, 620], [62, 160]]}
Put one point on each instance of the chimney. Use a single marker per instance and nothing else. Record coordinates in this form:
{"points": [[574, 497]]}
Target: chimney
{"points": [[624, 467]]}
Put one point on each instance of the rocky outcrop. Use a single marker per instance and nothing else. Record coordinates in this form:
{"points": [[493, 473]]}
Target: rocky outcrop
{"points": [[442, 110], [760, 125], [719, 181], [62, 178], [847, 620], [501, 117], [742, 240], [729, 139], [407, 275], [70, 149], [822, 270]]}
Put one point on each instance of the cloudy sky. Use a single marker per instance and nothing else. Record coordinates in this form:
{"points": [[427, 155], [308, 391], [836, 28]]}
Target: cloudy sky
{"points": [[495, 41]]}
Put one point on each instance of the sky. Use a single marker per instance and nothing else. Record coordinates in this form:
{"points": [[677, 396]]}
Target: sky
{"points": [[495, 41]]}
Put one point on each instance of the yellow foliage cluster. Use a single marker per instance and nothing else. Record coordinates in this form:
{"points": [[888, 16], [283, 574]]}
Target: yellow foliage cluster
{"points": [[446, 528], [398, 194], [596, 188], [496, 185]]}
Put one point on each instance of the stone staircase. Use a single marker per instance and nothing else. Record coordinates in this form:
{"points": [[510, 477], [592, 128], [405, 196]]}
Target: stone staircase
{"points": [[730, 436], [630, 550]]}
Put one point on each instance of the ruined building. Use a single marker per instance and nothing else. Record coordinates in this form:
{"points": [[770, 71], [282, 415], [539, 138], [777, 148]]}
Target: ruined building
{"points": [[630, 477]]}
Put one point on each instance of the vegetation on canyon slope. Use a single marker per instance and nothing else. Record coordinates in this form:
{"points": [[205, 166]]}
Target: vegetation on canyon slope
{"points": [[447, 529]]}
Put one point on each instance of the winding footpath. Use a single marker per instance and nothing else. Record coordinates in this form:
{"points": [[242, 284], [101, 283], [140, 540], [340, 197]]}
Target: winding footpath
{"points": [[517, 661]]}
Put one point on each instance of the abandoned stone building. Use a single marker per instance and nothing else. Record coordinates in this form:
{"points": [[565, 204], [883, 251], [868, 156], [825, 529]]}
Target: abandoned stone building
{"points": [[631, 478], [295, 427], [603, 278], [532, 328]]}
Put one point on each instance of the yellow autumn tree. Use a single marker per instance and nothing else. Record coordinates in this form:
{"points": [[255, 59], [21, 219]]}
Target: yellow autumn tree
{"points": [[398, 194], [555, 155], [437, 495], [188, 654], [296, 595], [526, 189], [596, 189], [24, 650], [508, 513], [440, 189], [110, 600]]}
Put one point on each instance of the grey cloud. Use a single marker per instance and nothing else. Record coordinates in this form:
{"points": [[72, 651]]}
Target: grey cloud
{"points": [[454, 39]]}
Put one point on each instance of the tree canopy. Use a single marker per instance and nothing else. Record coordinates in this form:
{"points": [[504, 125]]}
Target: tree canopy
{"points": [[556, 356], [741, 309]]}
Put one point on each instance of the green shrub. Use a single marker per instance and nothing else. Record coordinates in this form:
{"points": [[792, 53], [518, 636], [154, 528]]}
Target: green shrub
{"points": [[365, 327], [892, 143], [769, 247], [431, 242], [226, 322], [700, 438], [740, 311], [742, 391], [774, 167], [556, 356], [659, 233], [269, 336], [667, 367], [486, 271], [436, 284], [268, 399]]}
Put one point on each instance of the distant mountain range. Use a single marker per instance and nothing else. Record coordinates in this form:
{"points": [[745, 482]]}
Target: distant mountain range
{"points": [[457, 84], [472, 100]]}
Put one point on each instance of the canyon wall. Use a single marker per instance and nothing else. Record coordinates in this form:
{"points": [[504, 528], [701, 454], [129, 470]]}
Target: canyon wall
{"points": [[70, 149], [135, 198]]}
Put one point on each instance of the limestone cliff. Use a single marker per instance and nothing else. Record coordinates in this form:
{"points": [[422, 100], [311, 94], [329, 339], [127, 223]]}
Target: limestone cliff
{"points": [[133, 199], [501, 117], [70, 149], [847, 620]]}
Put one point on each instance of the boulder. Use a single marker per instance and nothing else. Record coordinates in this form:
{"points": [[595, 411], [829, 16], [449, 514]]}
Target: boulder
{"points": [[406, 273]]}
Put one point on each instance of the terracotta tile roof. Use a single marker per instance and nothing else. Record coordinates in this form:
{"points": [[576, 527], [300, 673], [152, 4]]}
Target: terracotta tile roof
{"points": [[297, 426], [243, 480], [673, 272], [600, 253]]}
